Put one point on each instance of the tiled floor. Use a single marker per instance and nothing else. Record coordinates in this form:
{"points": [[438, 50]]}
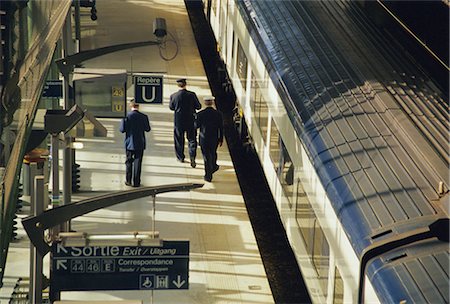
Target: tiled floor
{"points": [[225, 265]]}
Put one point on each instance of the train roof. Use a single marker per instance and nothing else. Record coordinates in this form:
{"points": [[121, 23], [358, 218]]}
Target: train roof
{"points": [[420, 270], [375, 126]]}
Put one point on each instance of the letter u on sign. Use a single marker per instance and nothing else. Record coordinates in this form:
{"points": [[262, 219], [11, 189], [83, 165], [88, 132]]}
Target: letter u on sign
{"points": [[145, 90], [148, 89]]}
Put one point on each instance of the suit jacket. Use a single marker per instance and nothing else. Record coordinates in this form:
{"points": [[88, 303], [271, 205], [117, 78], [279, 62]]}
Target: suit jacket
{"points": [[210, 123], [184, 103], [134, 126]]}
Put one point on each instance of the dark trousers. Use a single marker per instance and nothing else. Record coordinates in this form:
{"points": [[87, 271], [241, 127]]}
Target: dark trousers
{"points": [[209, 152], [133, 166], [178, 136]]}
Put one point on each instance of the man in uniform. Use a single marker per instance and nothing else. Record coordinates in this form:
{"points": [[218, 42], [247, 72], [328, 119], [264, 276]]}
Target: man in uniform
{"points": [[134, 125], [210, 123], [184, 103]]}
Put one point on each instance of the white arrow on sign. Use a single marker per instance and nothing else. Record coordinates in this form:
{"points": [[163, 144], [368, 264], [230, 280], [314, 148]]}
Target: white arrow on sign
{"points": [[61, 264], [178, 283]]}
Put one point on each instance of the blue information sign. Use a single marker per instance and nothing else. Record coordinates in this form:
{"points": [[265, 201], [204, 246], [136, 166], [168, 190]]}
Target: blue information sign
{"points": [[53, 88], [120, 267], [148, 89]]}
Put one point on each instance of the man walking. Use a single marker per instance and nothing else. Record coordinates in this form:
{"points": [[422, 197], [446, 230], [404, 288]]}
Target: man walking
{"points": [[134, 126], [184, 103], [210, 123]]}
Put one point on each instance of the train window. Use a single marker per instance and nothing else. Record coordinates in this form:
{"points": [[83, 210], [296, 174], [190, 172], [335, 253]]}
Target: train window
{"points": [[286, 172], [321, 257], [274, 151], [263, 118], [338, 297], [305, 216], [266, 79], [254, 94], [241, 66], [259, 107], [254, 103]]}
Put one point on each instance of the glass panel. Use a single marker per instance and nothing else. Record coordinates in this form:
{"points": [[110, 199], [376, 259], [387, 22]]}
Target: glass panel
{"points": [[286, 173], [259, 107], [241, 65], [94, 97], [25, 84], [275, 146], [101, 92], [253, 93], [338, 288], [263, 116], [305, 217], [321, 254]]}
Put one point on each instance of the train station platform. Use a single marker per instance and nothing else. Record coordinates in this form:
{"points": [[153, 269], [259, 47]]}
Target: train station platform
{"points": [[225, 264]]}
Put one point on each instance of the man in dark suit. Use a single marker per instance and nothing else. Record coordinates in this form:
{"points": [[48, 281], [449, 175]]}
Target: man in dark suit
{"points": [[210, 123], [184, 103], [134, 126]]}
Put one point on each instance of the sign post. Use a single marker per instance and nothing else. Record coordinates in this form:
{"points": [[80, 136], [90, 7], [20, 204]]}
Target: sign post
{"points": [[53, 88], [113, 262], [111, 267], [148, 89]]}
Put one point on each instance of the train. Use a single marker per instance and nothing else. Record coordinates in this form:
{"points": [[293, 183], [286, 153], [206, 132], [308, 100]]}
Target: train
{"points": [[352, 135]]}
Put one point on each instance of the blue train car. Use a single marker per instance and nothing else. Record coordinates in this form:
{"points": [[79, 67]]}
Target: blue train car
{"points": [[353, 138]]}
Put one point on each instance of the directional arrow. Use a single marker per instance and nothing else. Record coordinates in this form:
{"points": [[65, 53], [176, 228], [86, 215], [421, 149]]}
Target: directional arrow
{"points": [[61, 264], [178, 283]]}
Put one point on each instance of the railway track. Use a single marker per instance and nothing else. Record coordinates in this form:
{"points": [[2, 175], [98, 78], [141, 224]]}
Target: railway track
{"points": [[281, 267]]}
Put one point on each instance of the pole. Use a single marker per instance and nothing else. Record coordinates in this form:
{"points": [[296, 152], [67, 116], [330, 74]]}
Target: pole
{"points": [[67, 155], [77, 24], [154, 214], [153, 231], [36, 259], [67, 178], [55, 177], [55, 170], [2, 217]]}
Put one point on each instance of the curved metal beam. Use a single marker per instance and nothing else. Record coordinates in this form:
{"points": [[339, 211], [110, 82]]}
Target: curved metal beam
{"points": [[67, 64], [35, 225]]}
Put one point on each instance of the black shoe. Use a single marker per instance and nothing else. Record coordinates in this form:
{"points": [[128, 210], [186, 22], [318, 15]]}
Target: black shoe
{"points": [[193, 164], [127, 184], [208, 179], [216, 168], [180, 160], [136, 186]]}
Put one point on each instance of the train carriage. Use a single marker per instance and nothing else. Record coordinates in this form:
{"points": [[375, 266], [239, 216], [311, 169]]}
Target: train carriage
{"points": [[353, 138]]}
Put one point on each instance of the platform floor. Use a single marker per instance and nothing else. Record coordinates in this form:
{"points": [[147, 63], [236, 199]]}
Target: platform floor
{"points": [[225, 264]]}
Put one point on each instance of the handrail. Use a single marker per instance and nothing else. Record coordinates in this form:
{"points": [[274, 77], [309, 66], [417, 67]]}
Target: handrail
{"points": [[35, 225]]}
